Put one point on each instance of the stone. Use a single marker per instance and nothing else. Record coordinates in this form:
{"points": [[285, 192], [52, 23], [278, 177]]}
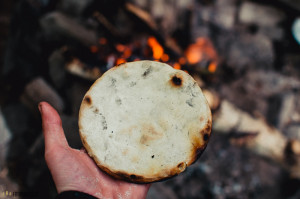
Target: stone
{"points": [[253, 13], [224, 16], [247, 50], [224, 13], [274, 32], [257, 90]]}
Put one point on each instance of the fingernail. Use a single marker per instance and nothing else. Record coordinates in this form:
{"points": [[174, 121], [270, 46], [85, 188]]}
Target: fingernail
{"points": [[40, 107]]}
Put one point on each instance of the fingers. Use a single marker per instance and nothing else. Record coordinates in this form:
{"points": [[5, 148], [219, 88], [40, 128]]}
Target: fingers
{"points": [[52, 127]]}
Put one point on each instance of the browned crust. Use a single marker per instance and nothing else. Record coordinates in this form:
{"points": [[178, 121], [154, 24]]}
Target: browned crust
{"points": [[142, 180], [119, 65], [164, 175], [199, 147]]}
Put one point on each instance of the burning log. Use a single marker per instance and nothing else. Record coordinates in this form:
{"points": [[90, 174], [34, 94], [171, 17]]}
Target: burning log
{"points": [[258, 136]]}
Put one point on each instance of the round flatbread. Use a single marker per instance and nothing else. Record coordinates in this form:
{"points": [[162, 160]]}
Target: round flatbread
{"points": [[144, 121]]}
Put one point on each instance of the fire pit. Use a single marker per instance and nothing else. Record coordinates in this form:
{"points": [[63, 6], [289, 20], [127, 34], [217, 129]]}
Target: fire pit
{"points": [[242, 53]]}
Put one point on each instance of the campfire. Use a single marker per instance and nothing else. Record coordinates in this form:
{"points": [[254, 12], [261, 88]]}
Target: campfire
{"points": [[241, 53]]}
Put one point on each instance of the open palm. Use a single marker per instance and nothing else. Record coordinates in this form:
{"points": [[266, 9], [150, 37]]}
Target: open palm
{"points": [[73, 169]]}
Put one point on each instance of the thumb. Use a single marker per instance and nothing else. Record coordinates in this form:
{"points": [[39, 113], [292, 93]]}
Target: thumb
{"points": [[52, 127]]}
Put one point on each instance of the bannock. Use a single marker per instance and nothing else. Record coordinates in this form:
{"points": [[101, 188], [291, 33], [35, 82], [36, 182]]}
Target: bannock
{"points": [[144, 121]]}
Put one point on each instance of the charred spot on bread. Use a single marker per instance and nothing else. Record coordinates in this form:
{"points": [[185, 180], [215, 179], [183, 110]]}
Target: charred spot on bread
{"points": [[196, 153], [176, 80], [88, 100], [206, 130], [133, 176], [128, 177]]}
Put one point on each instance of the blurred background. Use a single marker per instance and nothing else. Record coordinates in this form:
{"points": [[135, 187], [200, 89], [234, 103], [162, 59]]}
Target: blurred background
{"points": [[244, 54]]}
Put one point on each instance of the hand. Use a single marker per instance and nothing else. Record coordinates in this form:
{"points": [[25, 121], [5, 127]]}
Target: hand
{"points": [[73, 169]]}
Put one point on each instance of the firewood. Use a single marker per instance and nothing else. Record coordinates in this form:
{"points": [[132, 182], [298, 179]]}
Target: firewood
{"points": [[258, 136], [58, 24], [143, 15]]}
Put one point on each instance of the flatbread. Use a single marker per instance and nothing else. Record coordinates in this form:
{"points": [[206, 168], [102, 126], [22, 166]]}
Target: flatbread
{"points": [[144, 121]]}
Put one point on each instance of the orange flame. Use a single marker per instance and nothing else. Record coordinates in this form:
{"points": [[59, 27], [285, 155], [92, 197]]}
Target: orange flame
{"points": [[157, 49], [202, 49]]}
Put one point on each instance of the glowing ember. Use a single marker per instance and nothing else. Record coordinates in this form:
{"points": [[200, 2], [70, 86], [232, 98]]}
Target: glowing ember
{"points": [[194, 54], [120, 47], [120, 61], [102, 41], [157, 49], [177, 66], [212, 67], [127, 53], [94, 49], [165, 57], [182, 60]]}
